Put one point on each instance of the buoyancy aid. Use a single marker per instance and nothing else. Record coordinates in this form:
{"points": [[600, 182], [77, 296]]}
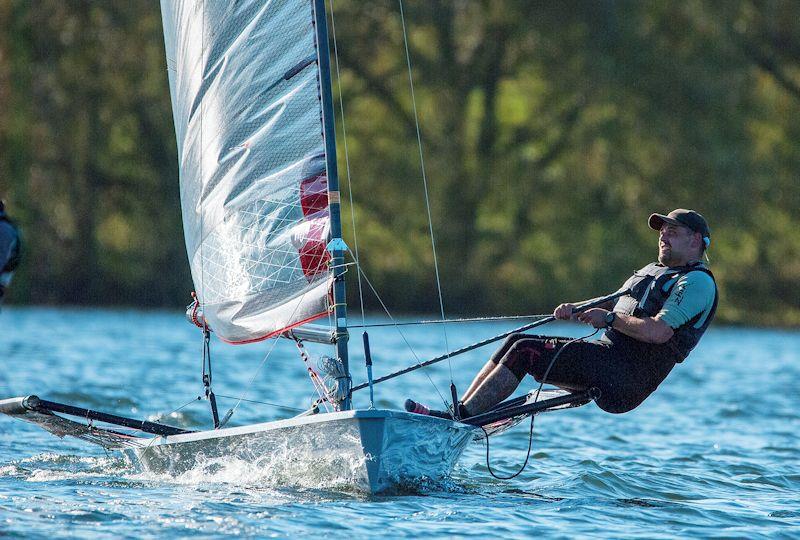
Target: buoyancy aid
{"points": [[650, 288]]}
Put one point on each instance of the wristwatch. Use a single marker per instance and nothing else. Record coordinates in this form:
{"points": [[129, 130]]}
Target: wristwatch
{"points": [[611, 316]]}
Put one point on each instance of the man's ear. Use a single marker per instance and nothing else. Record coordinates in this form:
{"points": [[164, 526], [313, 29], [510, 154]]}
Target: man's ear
{"points": [[698, 240]]}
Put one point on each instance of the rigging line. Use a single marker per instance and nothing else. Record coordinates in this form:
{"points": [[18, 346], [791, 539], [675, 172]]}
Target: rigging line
{"points": [[241, 398], [316, 380], [425, 184], [158, 418], [278, 405], [233, 409], [367, 356], [345, 265], [579, 308], [347, 162], [448, 321], [402, 335]]}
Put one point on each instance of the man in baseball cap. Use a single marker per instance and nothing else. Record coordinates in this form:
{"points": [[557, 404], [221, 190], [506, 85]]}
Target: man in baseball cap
{"points": [[668, 306], [681, 217]]}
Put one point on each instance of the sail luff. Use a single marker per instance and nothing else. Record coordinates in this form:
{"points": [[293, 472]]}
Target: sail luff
{"points": [[334, 206]]}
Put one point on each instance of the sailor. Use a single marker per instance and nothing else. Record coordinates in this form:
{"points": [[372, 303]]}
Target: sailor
{"points": [[9, 250], [671, 304]]}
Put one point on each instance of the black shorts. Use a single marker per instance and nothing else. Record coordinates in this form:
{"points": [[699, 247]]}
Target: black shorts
{"points": [[624, 378]]}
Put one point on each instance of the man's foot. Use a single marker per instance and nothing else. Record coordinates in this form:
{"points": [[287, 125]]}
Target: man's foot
{"points": [[418, 408]]}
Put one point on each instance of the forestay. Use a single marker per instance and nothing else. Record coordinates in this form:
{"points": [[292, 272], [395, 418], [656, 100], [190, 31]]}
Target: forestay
{"points": [[244, 81]]}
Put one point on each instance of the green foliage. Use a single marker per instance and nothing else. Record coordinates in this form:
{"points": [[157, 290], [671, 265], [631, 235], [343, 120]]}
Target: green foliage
{"points": [[550, 131]]}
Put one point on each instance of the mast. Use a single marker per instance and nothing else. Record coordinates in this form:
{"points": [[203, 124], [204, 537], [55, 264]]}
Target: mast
{"points": [[336, 246]]}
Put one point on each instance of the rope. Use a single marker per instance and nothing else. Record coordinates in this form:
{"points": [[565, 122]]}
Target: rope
{"points": [[425, 184], [347, 162], [350, 198], [449, 321], [581, 307], [157, 419], [233, 409], [278, 405], [410, 348], [316, 380]]}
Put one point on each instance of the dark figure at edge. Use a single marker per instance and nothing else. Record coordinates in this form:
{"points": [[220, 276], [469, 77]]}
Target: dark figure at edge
{"points": [[9, 250]]}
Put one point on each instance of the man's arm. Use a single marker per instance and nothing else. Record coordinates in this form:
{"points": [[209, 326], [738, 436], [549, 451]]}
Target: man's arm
{"points": [[691, 295], [646, 329], [565, 312]]}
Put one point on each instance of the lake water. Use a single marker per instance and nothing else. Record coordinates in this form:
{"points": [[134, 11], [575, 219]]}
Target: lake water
{"points": [[713, 453]]}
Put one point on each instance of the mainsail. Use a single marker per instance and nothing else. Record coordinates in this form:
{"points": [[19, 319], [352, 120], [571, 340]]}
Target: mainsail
{"points": [[245, 86]]}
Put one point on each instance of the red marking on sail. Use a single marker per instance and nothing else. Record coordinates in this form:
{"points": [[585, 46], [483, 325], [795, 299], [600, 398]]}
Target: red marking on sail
{"points": [[314, 195], [314, 256]]}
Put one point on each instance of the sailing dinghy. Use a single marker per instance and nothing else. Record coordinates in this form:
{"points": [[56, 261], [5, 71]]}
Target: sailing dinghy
{"points": [[250, 83]]}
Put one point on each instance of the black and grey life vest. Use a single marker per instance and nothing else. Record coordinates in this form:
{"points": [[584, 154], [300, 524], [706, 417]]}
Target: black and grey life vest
{"points": [[650, 288]]}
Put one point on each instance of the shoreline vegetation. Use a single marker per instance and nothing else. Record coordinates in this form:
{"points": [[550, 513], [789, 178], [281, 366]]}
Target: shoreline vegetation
{"points": [[550, 132]]}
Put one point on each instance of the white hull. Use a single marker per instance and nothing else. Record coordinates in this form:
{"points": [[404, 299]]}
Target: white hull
{"points": [[373, 450]]}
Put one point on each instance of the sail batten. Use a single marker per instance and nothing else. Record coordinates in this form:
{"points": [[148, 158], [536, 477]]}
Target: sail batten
{"points": [[252, 159]]}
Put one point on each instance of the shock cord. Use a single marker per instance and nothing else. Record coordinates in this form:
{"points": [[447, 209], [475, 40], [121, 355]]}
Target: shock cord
{"points": [[530, 433]]}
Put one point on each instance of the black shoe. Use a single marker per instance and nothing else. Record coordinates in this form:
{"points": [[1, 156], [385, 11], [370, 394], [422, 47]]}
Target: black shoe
{"points": [[462, 412]]}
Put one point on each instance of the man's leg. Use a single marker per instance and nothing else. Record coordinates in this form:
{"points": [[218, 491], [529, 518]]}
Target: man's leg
{"points": [[520, 354], [491, 365], [497, 386], [479, 378]]}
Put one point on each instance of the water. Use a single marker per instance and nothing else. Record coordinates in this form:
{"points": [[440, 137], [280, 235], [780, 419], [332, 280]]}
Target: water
{"points": [[713, 453]]}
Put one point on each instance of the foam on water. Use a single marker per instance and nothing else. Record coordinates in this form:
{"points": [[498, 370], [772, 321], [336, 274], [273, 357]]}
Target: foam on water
{"points": [[282, 468]]}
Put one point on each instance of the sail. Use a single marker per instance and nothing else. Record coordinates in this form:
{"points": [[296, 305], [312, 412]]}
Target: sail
{"points": [[245, 88]]}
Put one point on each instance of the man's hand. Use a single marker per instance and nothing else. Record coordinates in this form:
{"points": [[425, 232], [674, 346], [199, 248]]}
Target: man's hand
{"points": [[564, 312], [595, 317]]}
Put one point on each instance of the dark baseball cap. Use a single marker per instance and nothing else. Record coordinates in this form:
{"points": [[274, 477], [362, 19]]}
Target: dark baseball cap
{"points": [[686, 218]]}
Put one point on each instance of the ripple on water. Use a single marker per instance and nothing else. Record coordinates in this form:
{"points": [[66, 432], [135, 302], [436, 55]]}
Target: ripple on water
{"points": [[705, 456]]}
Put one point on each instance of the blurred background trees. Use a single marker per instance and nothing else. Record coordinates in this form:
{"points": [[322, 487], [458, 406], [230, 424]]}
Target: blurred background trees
{"points": [[550, 131]]}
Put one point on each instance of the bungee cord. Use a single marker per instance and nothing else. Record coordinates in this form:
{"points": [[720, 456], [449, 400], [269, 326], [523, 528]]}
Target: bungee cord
{"points": [[533, 416]]}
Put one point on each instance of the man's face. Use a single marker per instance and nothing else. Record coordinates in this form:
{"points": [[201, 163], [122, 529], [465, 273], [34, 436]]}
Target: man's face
{"points": [[677, 245]]}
